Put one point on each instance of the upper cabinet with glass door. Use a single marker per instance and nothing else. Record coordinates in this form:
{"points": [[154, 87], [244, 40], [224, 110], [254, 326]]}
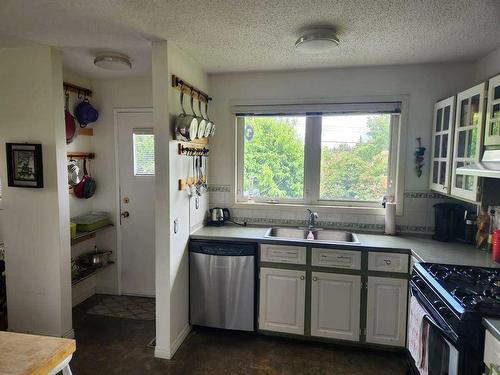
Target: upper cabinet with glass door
{"points": [[469, 125], [442, 145], [492, 133]]}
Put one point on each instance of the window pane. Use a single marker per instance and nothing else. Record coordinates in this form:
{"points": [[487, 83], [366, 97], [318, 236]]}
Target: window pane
{"points": [[446, 118], [444, 146], [495, 119], [437, 145], [439, 118], [459, 179], [464, 112], [435, 172], [497, 93], [469, 183], [472, 143], [274, 157], [354, 157], [144, 155], [442, 173], [461, 144], [474, 109]]}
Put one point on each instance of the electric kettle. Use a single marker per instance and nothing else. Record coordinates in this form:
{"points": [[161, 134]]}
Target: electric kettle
{"points": [[218, 216]]}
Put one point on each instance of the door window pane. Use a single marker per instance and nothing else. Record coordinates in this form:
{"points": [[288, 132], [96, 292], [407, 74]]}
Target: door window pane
{"points": [[461, 144], [437, 145], [446, 118], [354, 157], [144, 153], [273, 163], [442, 173], [439, 118], [444, 146], [474, 109], [464, 112]]}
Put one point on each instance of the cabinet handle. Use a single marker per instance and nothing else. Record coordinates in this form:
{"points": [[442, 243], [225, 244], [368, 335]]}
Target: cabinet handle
{"points": [[387, 261], [315, 278], [302, 277], [343, 257]]}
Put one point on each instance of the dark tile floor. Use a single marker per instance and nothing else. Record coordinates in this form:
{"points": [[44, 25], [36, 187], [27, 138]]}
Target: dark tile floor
{"points": [[118, 346]]}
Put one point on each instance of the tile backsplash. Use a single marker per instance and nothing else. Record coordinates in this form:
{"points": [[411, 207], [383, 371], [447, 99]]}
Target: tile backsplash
{"points": [[418, 216]]}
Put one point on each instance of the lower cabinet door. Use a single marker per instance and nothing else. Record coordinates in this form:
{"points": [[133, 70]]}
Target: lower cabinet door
{"points": [[386, 311], [335, 305], [282, 300]]}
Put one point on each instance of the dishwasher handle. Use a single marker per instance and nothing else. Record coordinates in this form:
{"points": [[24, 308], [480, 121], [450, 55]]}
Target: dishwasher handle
{"points": [[222, 249]]}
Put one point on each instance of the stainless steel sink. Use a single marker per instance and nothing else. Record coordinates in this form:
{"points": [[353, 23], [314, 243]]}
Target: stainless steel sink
{"points": [[323, 235]]}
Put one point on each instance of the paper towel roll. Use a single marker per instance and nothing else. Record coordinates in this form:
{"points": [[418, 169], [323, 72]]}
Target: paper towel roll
{"points": [[390, 218]]}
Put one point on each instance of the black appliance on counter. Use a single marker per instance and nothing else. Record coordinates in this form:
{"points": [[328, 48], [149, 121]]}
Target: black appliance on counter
{"points": [[219, 216], [454, 222], [455, 299]]}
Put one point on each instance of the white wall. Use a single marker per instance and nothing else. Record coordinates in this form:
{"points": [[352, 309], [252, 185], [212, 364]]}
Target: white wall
{"points": [[423, 84], [172, 288], [37, 230], [488, 66]]}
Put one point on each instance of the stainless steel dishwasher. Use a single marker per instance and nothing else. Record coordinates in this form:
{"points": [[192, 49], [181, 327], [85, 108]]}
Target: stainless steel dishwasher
{"points": [[222, 285]]}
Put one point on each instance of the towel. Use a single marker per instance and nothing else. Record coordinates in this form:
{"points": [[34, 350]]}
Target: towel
{"points": [[418, 330]]}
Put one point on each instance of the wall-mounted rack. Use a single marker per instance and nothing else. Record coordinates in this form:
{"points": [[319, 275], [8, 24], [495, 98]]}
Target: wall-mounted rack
{"points": [[81, 155], [192, 150], [190, 181], [79, 90], [179, 84]]}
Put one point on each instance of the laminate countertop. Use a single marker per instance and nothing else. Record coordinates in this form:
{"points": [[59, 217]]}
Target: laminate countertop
{"points": [[423, 248], [492, 325]]}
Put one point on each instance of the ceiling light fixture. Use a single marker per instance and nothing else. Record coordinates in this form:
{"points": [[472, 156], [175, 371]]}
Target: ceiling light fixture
{"points": [[317, 41], [113, 61]]}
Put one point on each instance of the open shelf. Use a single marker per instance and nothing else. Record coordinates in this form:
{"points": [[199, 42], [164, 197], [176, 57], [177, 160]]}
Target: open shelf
{"points": [[89, 272], [84, 236]]}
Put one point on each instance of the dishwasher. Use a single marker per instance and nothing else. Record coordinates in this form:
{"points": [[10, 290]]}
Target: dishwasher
{"points": [[222, 285]]}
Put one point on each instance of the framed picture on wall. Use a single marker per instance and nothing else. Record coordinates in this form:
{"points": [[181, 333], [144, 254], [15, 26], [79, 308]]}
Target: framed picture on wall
{"points": [[24, 165]]}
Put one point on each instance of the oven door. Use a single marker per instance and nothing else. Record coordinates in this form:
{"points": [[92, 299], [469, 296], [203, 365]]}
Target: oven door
{"points": [[443, 355]]}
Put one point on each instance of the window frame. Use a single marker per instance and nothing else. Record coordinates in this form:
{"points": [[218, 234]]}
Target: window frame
{"points": [[312, 154]]}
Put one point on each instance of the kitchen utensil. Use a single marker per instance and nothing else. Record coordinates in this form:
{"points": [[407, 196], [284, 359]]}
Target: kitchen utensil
{"points": [[85, 113], [186, 125], [74, 173], [210, 124], [87, 186], [69, 120], [201, 122]]}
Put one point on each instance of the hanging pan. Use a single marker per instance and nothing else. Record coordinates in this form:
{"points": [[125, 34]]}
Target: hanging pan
{"points": [[186, 125], [87, 186]]}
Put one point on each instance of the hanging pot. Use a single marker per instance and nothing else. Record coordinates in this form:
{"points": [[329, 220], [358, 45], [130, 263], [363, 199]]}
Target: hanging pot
{"points": [[87, 186], [186, 125], [202, 124], [210, 124], [74, 173], [69, 120], [85, 113]]}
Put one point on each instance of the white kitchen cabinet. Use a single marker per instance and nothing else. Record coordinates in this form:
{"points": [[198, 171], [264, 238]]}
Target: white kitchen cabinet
{"points": [[386, 311], [442, 145], [492, 132], [467, 146], [335, 305], [282, 300]]}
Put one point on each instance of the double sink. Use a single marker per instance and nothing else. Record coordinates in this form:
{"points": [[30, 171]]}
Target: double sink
{"points": [[320, 235]]}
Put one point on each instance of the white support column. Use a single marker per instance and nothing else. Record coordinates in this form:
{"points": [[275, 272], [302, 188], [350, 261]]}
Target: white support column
{"points": [[36, 221], [163, 136]]}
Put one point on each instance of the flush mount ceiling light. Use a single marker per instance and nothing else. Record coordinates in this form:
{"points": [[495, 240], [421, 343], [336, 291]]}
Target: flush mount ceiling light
{"points": [[317, 41], [112, 62]]}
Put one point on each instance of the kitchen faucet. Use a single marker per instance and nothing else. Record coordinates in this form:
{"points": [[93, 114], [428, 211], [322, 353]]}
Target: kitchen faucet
{"points": [[313, 216]]}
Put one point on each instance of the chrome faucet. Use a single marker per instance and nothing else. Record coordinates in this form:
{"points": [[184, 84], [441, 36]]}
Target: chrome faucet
{"points": [[312, 217]]}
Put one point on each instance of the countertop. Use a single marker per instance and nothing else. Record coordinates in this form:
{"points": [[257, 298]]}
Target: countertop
{"points": [[424, 249], [32, 354], [493, 325]]}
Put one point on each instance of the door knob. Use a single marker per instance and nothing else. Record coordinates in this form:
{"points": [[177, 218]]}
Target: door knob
{"points": [[125, 214], [302, 277], [315, 278]]}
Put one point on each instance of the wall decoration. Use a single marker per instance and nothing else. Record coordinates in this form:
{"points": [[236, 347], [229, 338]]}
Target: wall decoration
{"points": [[24, 165], [419, 157]]}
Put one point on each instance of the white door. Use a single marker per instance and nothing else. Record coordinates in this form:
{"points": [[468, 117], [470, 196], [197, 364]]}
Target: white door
{"points": [[386, 311], [467, 148], [442, 145], [335, 305], [282, 300], [136, 168]]}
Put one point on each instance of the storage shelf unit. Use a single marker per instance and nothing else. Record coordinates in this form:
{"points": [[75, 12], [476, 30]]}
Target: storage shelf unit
{"points": [[89, 273], [84, 236]]}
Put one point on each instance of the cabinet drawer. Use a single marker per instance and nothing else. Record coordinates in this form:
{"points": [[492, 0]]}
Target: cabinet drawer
{"points": [[389, 262], [283, 254], [336, 258]]}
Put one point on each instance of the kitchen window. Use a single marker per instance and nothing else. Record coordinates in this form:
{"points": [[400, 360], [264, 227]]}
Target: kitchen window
{"points": [[144, 152], [345, 154]]}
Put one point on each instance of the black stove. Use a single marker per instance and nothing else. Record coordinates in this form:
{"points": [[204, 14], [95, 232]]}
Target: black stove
{"points": [[456, 299]]}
